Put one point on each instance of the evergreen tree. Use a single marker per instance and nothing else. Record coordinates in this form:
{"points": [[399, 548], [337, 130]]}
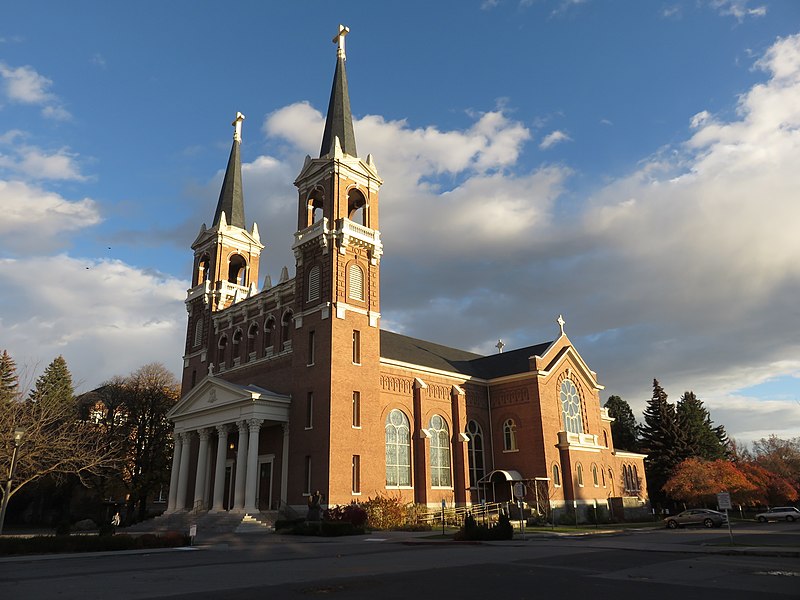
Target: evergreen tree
{"points": [[702, 439], [54, 386], [661, 440], [624, 429], [9, 381]]}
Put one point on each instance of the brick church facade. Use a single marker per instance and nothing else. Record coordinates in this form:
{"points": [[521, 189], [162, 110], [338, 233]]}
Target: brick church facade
{"points": [[295, 388]]}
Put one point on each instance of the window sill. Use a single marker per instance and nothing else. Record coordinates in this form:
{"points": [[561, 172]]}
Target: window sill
{"points": [[309, 428], [399, 487], [355, 427], [510, 451], [441, 487], [355, 493]]}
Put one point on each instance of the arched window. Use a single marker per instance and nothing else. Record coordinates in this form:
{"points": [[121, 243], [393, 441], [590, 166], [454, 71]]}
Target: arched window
{"points": [[252, 340], [237, 267], [635, 479], [355, 207], [475, 452], [355, 282], [269, 329], [203, 267], [579, 474], [556, 476], [571, 407], [603, 473], [237, 347], [198, 333], [286, 327], [605, 438], [313, 284], [398, 450], [509, 435], [595, 479], [440, 452], [611, 480], [221, 347]]}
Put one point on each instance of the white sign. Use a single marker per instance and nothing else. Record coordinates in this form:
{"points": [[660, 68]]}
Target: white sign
{"points": [[519, 490], [193, 531], [724, 500]]}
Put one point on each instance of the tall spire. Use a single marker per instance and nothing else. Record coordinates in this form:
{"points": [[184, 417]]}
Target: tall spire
{"points": [[339, 123], [231, 199]]}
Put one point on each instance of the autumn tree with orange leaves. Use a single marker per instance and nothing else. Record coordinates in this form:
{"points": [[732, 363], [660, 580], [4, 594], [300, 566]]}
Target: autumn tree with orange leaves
{"points": [[697, 482]]}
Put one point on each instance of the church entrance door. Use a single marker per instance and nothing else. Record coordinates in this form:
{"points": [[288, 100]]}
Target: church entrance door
{"points": [[264, 499], [227, 501]]}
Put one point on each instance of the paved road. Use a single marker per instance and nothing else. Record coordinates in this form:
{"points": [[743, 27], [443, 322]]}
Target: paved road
{"points": [[655, 565]]}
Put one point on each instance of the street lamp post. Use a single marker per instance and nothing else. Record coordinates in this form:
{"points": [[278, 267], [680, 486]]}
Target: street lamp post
{"points": [[18, 433]]}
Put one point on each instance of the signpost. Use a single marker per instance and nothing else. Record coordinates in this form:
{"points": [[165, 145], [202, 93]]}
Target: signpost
{"points": [[519, 494], [724, 503], [444, 505]]}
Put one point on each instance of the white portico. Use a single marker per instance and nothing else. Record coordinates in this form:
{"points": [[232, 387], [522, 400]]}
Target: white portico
{"points": [[205, 420]]}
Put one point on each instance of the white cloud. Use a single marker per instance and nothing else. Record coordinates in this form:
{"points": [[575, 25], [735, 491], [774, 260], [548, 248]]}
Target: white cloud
{"points": [[105, 320], [738, 9], [26, 86], [553, 138], [34, 163], [34, 219]]}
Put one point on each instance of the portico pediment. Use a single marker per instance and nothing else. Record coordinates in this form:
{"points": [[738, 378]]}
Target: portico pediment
{"points": [[215, 401]]}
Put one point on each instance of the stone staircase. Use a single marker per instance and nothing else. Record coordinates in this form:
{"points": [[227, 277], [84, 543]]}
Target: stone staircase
{"points": [[222, 522]]}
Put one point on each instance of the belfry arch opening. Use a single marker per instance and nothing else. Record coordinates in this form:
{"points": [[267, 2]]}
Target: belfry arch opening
{"points": [[237, 268], [314, 206], [203, 269], [356, 207]]}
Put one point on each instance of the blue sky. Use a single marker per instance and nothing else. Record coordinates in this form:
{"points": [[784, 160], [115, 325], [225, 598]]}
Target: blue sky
{"points": [[632, 165]]}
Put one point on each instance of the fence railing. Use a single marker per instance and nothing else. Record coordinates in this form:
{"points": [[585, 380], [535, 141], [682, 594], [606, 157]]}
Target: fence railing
{"points": [[456, 515]]}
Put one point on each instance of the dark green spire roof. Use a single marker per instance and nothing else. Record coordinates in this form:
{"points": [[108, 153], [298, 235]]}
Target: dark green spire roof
{"points": [[231, 198], [340, 120]]}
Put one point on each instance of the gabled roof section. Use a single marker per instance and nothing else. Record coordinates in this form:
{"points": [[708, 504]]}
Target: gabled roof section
{"points": [[413, 351], [508, 363], [339, 122], [231, 197], [426, 354]]}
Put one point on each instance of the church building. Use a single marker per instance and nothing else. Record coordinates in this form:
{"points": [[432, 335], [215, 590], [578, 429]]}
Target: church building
{"points": [[294, 387]]}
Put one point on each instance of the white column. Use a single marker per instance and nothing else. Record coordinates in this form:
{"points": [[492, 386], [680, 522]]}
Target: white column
{"points": [[241, 466], [176, 465], [219, 473], [285, 466], [252, 466], [183, 471], [202, 470]]}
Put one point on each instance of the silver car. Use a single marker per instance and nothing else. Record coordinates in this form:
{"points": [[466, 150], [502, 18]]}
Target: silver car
{"points": [[697, 516], [779, 513]]}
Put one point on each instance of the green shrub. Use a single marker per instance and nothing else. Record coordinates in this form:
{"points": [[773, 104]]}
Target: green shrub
{"points": [[472, 531]]}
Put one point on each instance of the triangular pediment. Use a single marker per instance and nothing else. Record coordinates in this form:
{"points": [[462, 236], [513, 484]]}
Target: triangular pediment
{"points": [[215, 401], [560, 352]]}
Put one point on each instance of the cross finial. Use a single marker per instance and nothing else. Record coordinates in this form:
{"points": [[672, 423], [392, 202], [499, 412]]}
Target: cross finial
{"points": [[237, 127], [339, 39], [561, 322], [499, 345]]}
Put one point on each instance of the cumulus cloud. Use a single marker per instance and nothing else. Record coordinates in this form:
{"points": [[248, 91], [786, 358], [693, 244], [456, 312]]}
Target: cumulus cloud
{"points": [[35, 163], [105, 317], [35, 220], [553, 138], [26, 86]]}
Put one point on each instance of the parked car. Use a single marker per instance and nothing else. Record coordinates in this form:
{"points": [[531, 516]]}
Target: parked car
{"points": [[697, 516], [779, 513]]}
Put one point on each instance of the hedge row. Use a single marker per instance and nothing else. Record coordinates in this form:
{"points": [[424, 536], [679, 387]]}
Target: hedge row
{"points": [[90, 543]]}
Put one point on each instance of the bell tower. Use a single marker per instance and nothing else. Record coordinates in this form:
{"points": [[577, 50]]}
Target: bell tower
{"points": [[225, 267], [338, 251]]}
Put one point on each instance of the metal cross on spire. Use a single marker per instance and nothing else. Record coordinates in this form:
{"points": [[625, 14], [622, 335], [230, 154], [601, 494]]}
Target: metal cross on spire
{"points": [[237, 127], [499, 345], [561, 322], [339, 39]]}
